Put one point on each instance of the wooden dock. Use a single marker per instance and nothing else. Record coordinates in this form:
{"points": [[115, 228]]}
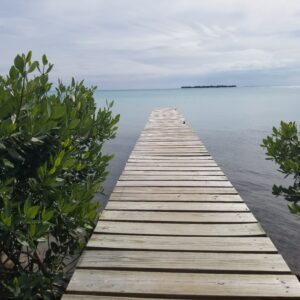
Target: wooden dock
{"points": [[176, 228]]}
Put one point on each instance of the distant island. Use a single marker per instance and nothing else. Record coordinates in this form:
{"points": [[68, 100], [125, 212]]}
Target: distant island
{"points": [[208, 86]]}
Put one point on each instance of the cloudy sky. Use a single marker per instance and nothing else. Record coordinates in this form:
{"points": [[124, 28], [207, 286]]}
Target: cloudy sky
{"points": [[159, 43]]}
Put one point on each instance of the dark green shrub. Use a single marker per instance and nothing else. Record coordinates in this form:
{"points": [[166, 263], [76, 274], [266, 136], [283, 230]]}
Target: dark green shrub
{"points": [[51, 166], [283, 147]]}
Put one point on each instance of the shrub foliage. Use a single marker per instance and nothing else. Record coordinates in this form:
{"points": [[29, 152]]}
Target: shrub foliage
{"points": [[51, 166], [283, 147]]}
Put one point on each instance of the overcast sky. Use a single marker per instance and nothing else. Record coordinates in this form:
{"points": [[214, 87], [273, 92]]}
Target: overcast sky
{"points": [[156, 43]]}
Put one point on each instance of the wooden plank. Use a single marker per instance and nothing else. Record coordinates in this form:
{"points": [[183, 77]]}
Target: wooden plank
{"points": [[205, 163], [183, 261], [169, 139], [175, 173], [178, 183], [182, 145], [166, 129], [176, 206], [180, 229], [197, 158], [170, 136], [182, 243], [170, 168], [172, 177], [174, 143], [176, 190], [174, 197], [167, 134], [161, 153], [139, 283], [161, 160], [177, 217], [168, 150], [171, 158], [99, 297]]}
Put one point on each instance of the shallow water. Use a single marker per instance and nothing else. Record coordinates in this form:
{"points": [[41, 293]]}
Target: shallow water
{"points": [[231, 122]]}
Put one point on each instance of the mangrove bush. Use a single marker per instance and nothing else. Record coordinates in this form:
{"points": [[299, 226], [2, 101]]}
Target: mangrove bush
{"points": [[283, 147], [51, 165]]}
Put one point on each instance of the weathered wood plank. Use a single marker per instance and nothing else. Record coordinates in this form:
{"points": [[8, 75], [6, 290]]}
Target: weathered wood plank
{"points": [[167, 138], [170, 168], [176, 206], [171, 154], [183, 261], [174, 197], [180, 229], [170, 134], [200, 163], [135, 177], [170, 144], [204, 163], [99, 297], [138, 150], [161, 160], [175, 173], [177, 217], [178, 183], [139, 283], [171, 158], [182, 243], [176, 190]]}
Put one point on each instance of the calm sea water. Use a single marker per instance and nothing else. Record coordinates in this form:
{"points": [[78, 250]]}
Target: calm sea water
{"points": [[231, 123]]}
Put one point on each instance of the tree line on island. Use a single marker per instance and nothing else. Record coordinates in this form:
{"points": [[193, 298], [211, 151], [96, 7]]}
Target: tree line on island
{"points": [[208, 86]]}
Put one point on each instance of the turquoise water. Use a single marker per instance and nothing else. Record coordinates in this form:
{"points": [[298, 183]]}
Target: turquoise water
{"points": [[231, 122]]}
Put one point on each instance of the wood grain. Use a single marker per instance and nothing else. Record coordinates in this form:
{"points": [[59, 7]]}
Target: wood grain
{"points": [[176, 190], [176, 206], [183, 261], [182, 243], [180, 229], [138, 283], [177, 217], [174, 197]]}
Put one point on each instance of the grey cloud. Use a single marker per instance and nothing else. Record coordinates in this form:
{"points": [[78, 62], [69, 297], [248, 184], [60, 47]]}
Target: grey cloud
{"points": [[163, 43]]}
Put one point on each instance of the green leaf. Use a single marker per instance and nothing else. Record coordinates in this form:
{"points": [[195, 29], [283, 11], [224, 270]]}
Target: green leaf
{"points": [[74, 123], [29, 55], [14, 154], [44, 59], [69, 163], [59, 158], [13, 72], [22, 240], [8, 163], [32, 211], [42, 230], [6, 220], [47, 215], [32, 229], [36, 140], [32, 67], [44, 79], [58, 111], [19, 63], [67, 208], [49, 68], [294, 208], [48, 108]]}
